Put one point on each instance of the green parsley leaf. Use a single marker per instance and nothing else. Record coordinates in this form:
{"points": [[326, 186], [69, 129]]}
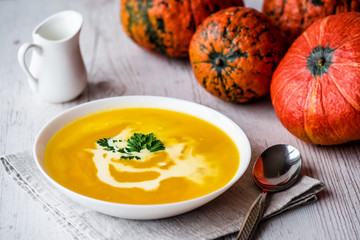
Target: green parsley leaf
{"points": [[135, 143], [140, 141], [153, 144], [104, 142], [121, 150]]}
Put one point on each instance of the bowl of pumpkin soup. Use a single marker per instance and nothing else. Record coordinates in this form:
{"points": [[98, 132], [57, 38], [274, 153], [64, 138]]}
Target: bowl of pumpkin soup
{"points": [[142, 157]]}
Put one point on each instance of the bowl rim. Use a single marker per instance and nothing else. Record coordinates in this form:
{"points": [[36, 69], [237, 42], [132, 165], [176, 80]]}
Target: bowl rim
{"points": [[240, 171]]}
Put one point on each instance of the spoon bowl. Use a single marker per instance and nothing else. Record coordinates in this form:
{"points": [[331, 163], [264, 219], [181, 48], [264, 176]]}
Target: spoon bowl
{"points": [[277, 169]]}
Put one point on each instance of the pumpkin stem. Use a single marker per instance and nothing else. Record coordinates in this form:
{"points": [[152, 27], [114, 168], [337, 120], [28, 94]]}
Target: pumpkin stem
{"points": [[219, 62], [321, 62]]}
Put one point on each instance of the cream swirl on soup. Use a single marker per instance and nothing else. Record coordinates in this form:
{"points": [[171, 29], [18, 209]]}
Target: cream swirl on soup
{"points": [[178, 161]]}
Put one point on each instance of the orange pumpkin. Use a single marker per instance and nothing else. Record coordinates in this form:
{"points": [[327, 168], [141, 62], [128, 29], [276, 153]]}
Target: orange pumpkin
{"points": [[166, 26], [234, 52], [294, 16], [315, 90]]}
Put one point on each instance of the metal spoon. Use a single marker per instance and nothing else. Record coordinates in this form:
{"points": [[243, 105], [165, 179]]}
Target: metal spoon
{"points": [[277, 168]]}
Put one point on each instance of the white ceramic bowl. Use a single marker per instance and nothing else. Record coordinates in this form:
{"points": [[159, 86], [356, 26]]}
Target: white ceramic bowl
{"points": [[144, 211]]}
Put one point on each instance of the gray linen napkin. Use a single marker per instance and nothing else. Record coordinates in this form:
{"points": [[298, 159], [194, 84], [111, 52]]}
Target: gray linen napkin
{"points": [[220, 217]]}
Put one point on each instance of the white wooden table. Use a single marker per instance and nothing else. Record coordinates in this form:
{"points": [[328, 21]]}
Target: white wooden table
{"points": [[116, 66]]}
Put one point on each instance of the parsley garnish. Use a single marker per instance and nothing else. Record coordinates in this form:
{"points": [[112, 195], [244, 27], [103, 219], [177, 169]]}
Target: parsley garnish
{"points": [[136, 143], [104, 142], [140, 141]]}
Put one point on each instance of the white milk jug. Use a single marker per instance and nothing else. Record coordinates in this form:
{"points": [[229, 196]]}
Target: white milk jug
{"points": [[56, 71]]}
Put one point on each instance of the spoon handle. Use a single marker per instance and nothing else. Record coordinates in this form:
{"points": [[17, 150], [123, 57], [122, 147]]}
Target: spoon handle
{"points": [[252, 218]]}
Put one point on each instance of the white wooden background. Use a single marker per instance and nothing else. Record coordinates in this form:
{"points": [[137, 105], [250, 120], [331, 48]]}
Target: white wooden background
{"points": [[116, 66]]}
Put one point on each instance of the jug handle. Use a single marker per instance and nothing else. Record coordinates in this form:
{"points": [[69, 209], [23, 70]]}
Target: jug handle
{"points": [[21, 58]]}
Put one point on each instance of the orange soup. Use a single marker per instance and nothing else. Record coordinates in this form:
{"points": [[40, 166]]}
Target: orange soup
{"points": [[141, 156]]}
